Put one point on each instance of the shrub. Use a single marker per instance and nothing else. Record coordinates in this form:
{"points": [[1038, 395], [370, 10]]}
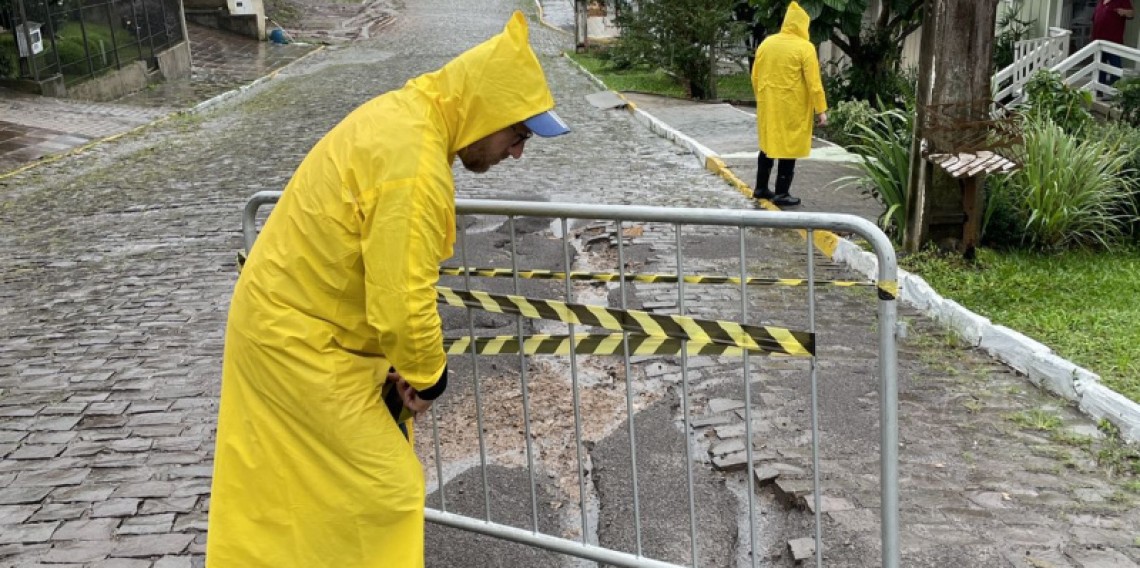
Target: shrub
{"points": [[8, 62], [1124, 139], [72, 56], [1001, 226], [1048, 97], [844, 119], [1068, 192], [884, 145], [885, 88], [1129, 100]]}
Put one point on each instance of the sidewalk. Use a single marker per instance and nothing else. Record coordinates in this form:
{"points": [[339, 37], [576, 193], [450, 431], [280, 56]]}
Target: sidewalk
{"points": [[730, 134]]}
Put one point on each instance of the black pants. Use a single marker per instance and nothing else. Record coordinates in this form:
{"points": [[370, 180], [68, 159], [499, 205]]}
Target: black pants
{"points": [[785, 171]]}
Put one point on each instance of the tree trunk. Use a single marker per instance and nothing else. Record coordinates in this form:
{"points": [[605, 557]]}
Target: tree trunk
{"points": [[955, 69]]}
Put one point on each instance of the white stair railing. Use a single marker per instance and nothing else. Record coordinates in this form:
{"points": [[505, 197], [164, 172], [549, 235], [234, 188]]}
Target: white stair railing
{"points": [[1083, 68], [1030, 56]]}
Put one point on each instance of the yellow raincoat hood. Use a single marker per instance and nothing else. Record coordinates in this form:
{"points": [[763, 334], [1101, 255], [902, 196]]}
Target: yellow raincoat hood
{"points": [[796, 22], [789, 92], [493, 85], [310, 469]]}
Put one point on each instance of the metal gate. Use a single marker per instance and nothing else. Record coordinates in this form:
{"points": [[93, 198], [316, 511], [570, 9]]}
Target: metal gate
{"points": [[596, 330]]}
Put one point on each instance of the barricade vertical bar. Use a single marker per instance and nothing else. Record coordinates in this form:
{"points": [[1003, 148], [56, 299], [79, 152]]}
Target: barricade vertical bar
{"points": [[889, 400], [574, 383], [438, 462], [475, 372], [629, 390], [748, 406], [816, 489], [523, 380], [685, 396]]}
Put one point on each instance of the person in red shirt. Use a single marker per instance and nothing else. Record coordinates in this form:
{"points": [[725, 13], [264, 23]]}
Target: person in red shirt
{"points": [[1108, 24]]}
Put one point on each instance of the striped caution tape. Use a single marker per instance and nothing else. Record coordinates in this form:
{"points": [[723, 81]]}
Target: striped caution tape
{"points": [[585, 344], [754, 338], [888, 290], [640, 277]]}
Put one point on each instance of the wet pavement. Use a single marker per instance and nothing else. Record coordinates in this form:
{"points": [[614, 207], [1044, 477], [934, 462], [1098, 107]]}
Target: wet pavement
{"points": [[118, 265], [33, 127]]}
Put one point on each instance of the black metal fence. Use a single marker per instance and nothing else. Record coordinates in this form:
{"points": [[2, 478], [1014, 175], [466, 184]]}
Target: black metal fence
{"points": [[82, 39]]}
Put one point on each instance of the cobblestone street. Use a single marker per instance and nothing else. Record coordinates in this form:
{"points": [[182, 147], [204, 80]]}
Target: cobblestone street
{"points": [[116, 267]]}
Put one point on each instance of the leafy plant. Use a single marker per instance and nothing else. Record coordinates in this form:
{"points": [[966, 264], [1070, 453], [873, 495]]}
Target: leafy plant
{"points": [[1129, 100], [843, 121], [1124, 139], [1050, 98], [883, 87], [884, 146], [1011, 29], [8, 52], [1067, 192]]}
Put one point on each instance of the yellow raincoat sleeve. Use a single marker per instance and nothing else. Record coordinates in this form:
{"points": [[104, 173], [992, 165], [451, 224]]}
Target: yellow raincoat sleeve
{"points": [[813, 81], [403, 241]]}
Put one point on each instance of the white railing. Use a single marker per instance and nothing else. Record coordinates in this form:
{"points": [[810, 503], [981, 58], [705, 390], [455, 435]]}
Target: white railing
{"points": [[1083, 68], [1029, 57]]}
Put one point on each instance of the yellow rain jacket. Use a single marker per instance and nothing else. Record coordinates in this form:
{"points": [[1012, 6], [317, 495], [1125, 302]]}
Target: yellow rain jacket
{"points": [[310, 468], [789, 92]]}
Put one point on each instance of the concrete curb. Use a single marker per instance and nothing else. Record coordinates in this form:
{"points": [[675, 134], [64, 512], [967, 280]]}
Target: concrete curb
{"points": [[1039, 363], [1036, 361]]}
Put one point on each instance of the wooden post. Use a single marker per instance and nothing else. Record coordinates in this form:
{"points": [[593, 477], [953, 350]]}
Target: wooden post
{"points": [[973, 201]]}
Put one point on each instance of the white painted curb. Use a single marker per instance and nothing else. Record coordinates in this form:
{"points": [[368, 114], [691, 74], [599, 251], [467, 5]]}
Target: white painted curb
{"points": [[1038, 362]]}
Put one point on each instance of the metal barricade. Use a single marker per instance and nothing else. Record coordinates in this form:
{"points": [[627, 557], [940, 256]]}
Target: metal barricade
{"points": [[635, 330]]}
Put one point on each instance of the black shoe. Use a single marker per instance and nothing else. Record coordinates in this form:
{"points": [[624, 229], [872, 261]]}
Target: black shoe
{"points": [[763, 194], [786, 200]]}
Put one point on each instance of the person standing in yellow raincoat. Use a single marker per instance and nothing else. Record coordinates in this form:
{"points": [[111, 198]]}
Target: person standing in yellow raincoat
{"points": [[310, 468], [789, 92]]}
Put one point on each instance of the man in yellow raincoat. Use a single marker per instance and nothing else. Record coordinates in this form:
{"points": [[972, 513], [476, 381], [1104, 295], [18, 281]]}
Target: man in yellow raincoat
{"points": [[789, 92], [311, 469]]}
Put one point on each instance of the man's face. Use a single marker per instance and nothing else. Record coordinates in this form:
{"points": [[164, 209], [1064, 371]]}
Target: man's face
{"points": [[485, 152]]}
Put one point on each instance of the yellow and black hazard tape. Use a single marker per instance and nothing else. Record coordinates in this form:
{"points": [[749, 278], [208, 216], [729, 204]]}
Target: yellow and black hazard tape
{"points": [[888, 290], [640, 277], [585, 344], [762, 339]]}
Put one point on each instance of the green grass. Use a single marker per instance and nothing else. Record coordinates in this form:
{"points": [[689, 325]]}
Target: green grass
{"points": [[1037, 419], [735, 87], [1082, 304]]}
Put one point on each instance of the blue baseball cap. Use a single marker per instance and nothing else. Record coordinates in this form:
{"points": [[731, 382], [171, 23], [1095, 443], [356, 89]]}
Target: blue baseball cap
{"points": [[547, 124]]}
